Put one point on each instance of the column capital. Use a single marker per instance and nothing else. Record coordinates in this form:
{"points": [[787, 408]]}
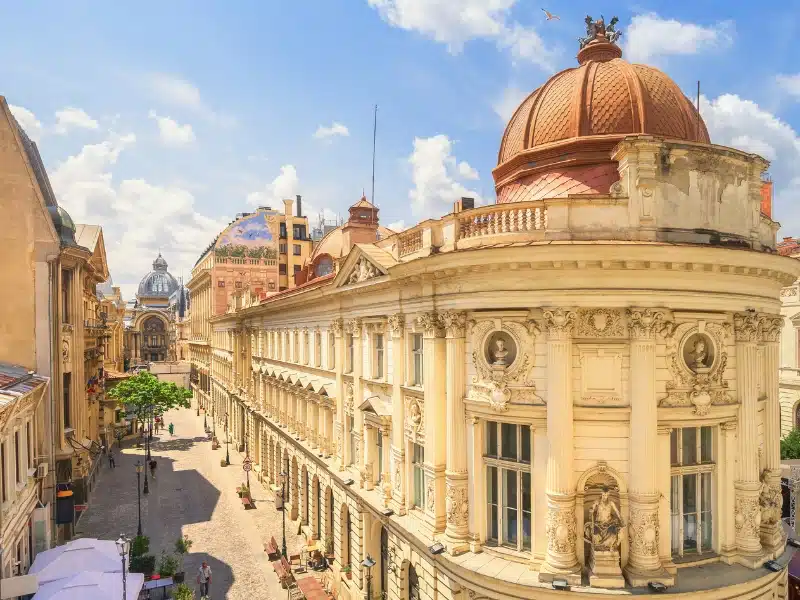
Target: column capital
{"points": [[337, 325], [559, 322], [746, 327], [454, 322], [397, 323], [354, 327], [644, 323], [771, 326], [430, 323]]}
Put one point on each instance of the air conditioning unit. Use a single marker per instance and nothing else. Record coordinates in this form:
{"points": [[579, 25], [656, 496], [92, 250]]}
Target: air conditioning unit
{"points": [[41, 470]]}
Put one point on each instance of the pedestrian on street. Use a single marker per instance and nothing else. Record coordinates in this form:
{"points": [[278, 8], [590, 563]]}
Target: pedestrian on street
{"points": [[153, 465], [111, 462], [171, 429], [204, 579]]}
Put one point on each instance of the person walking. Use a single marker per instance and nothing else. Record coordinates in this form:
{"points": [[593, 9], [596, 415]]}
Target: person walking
{"points": [[171, 429], [153, 465], [204, 579], [111, 462]]}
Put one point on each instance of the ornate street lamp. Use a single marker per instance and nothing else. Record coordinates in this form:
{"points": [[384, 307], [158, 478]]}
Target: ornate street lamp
{"points": [[368, 564], [123, 547], [139, 469], [227, 441]]}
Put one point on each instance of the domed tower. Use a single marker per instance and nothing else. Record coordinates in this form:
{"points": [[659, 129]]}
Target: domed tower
{"points": [[157, 286]]}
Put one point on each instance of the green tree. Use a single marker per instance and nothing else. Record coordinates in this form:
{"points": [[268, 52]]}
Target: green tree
{"points": [[143, 394], [790, 445]]}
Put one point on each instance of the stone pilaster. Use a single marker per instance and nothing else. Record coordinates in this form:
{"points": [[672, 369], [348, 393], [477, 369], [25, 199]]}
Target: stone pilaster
{"points": [[456, 494], [644, 563], [561, 560], [434, 389], [337, 326], [771, 499], [366, 477], [726, 477], [397, 331], [747, 512]]}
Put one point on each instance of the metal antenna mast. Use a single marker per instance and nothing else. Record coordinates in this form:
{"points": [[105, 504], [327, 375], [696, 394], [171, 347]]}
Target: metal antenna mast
{"points": [[374, 137]]}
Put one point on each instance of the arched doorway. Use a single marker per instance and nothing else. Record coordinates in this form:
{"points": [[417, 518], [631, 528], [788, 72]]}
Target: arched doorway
{"points": [[384, 562], [154, 339], [346, 528], [413, 584]]}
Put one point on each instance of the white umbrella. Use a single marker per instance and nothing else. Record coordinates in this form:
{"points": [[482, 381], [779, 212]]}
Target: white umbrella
{"points": [[76, 556], [91, 585]]}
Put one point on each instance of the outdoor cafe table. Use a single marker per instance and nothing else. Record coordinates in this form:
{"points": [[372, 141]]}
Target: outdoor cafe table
{"points": [[163, 583], [311, 589]]}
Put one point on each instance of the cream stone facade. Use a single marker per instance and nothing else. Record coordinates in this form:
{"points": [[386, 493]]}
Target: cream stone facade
{"points": [[575, 386], [790, 347]]}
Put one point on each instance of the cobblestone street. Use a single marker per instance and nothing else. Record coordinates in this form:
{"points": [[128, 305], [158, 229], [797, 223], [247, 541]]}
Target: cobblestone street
{"points": [[192, 494]]}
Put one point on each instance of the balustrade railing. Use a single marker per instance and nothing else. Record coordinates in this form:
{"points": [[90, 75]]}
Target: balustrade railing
{"points": [[410, 242], [501, 218]]}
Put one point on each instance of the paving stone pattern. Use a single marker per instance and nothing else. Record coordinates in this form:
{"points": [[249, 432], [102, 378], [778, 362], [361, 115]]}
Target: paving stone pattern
{"points": [[192, 494]]}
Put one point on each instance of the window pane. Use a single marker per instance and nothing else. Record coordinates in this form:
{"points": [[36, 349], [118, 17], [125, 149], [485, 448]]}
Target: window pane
{"points": [[491, 485], [673, 447], [690, 533], [526, 511], [491, 438], [526, 443], [705, 444], [491, 496], [508, 441], [510, 506], [689, 446], [675, 517], [689, 494], [705, 492]]}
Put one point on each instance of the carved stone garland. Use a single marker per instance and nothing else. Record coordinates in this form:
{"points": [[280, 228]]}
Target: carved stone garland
{"points": [[700, 387], [502, 384], [457, 505]]}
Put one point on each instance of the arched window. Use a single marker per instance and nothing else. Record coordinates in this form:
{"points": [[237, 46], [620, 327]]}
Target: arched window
{"points": [[413, 584], [324, 266], [349, 539]]}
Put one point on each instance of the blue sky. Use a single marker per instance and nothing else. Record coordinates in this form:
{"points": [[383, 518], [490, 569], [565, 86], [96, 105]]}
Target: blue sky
{"points": [[161, 121]]}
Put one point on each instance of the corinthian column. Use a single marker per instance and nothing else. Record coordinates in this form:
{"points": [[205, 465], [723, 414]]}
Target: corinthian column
{"points": [[336, 327], [747, 519], [644, 564], [771, 499], [561, 561], [397, 327], [456, 495]]}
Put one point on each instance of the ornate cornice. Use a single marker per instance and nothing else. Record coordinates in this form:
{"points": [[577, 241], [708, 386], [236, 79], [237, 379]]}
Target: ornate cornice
{"points": [[559, 322], [454, 322], [645, 323]]}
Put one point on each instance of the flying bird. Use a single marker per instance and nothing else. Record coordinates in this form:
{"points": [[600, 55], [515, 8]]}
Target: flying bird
{"points": [[550, 16]]}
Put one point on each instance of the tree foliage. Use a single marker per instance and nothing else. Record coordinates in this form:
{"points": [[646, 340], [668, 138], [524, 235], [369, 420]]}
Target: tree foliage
{"points": [[790, 445], [144, 393]]}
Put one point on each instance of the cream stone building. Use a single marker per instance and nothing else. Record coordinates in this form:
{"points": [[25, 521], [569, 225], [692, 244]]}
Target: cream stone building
{"points": [[574, 387], [790, 345]]}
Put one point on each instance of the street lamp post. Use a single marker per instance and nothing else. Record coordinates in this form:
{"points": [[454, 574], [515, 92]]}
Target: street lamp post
{"points": [[227, 441], [284, 481], [139, 469], [205, 420], [123, 546], [214, 418], [368, 564]]}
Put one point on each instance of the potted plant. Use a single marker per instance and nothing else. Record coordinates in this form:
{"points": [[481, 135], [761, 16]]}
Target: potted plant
{"points": [[222, 463], [182, 547], [347, 571], [140, 545], [168, 565], [183, 592], [144, 564]]}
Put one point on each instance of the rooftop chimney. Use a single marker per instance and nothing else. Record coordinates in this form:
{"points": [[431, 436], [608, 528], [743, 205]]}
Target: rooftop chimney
{"points": [[766, 198], [464, 204], [299, 205]]}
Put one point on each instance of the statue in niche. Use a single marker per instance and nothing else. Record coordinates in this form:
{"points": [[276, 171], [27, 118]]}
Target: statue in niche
{"points": [[415, 415], [500, 353], [698, 353], [605, 528]]}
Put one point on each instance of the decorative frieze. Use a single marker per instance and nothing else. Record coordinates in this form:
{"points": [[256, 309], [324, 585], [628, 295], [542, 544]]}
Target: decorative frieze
{"points": [[747, 517], [599, 323], [457, 505], [559, 322]]}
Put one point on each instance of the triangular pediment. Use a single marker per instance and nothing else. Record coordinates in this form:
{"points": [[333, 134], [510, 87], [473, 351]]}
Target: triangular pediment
{"points": [[365, 262]]}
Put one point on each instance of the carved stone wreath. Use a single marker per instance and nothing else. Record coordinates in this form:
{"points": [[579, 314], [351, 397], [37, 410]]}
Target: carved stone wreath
{"points": [[699, 388], [599, 322], [501, 385]]}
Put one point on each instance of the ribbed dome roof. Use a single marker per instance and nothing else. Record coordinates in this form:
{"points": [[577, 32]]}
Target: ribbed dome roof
{"points": [[159, 282], [603, 96]]}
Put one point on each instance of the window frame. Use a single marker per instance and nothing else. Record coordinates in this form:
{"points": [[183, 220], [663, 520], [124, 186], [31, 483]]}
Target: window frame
{"points": [[417, 380], [417, 471], [698, 469], [351, 425], [331, 350], [521, 468], [378, 356]]}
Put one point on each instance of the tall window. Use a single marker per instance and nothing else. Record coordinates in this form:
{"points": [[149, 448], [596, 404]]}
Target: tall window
{"points": [[67, 404], [416, 355], [349, 529], [417, 460], [331, 350], [29, 442], [351, 423], [508, 484], [296, 347], [692, 461], [380, 455], [17, 465], [350, 353], [413, 584], [296, 249], [377, 371], [66, 278]]}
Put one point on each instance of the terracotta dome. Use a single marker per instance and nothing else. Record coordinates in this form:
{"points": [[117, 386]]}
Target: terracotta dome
{"points": [[581, 113]]}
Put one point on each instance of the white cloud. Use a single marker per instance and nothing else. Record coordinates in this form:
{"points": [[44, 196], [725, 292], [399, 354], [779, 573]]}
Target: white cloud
{"points": [[456, 22], [70, 118], [435, 172], [139, 218], [171, 132], [505, 105], [177, 92], [336, 129], [467, 171], [734, 121], [397, 226], [649, 36], [285, 186], [28, 121], [790, 83]]}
